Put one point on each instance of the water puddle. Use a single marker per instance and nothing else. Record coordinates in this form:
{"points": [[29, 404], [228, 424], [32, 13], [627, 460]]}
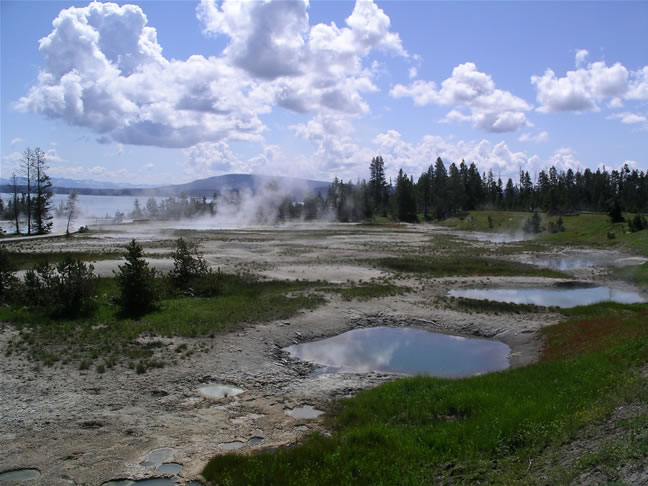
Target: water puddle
{"points": [[255, 441], [20, 475], [216, 390], [305, 412], [158, 456], [169, 468], [560, 297], [566, 263], [404, 351], [496, 237], [231, 446], [141, 482]]}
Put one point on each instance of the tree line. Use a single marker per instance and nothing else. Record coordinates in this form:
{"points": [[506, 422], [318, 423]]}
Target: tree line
{"points": [[441, 192], [29, 206], [438, 193]]}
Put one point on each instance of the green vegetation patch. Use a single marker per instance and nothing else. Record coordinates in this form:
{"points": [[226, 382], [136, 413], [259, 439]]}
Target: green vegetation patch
{"points": [[488, 221], [464, 265], [23, 260], [486, 306], [637, 274], [486, 429], [105, 335]]}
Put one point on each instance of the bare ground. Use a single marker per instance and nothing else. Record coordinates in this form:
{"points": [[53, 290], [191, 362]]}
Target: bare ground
{"points": [[83, 428]]}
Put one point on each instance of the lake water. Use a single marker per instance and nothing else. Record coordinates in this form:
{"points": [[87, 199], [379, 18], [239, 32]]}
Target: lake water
{"points": [[564, 297], [404, 351]]}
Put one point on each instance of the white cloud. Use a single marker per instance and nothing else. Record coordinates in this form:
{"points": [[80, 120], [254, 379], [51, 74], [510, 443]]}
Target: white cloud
{"points": [[491, 109], [564, 159], [104, 70], [308, 68], [615, 103], [412, 72], [15, 141], [537, 138], [586, 87], [581, 56], [628, 117]]}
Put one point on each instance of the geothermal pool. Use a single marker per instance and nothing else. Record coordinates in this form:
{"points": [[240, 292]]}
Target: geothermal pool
{"points": [[564, 297], [405, 351]]}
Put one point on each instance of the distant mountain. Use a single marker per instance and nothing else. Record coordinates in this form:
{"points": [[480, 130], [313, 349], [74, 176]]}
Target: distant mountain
{"points": [[298, 188], [240, 182], [62, 182]]}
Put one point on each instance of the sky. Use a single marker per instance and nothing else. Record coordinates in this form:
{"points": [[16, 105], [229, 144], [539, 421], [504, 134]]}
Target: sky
{"points": [[158, 92]]}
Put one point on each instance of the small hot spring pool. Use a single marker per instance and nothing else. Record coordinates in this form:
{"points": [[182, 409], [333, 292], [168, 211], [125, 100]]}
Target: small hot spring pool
{"points": [[403, 351], [559, 297]]}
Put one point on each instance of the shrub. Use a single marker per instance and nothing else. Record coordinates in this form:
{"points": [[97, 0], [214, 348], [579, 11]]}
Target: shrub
{"points": [[532, 225], [188, 264], [67, 290], [557, 227], [638, 223], [615, 212], [8, 281], [191, 273], [136, 283]]}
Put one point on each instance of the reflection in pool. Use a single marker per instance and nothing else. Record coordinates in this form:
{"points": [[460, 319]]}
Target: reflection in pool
{"points": [[497, 237], [552, 297], [404, 351], [566, 263]]}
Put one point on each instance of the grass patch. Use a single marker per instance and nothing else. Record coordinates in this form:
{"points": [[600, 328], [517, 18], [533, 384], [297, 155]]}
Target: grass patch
{"points": [[24, 260], [243, 300], [500, 221], [585, 229], [637, 274], [595, 327], [369, 291], [464, 265], [485, 429], [486, 306]]}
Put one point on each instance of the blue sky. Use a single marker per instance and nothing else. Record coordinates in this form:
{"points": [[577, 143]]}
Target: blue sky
{"points": [[170, 91]]}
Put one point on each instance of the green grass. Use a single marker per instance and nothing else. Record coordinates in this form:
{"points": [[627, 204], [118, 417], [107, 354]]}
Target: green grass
{"points": [[637, 274], [463, 265], [425, 430], [24, 260], [486, 306], [502, 221], [582, 230], [242, 300]]}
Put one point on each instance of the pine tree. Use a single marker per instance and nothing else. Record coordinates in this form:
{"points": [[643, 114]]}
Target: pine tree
{"points": [[42, 205], [378, 184], [136, 283]]}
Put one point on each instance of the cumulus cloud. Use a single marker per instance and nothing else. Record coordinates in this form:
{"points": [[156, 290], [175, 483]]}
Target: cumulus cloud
{"points": [[584, 88], [564, 159], [104, 70], [490, 109], [416, 157], [308, 68]]}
